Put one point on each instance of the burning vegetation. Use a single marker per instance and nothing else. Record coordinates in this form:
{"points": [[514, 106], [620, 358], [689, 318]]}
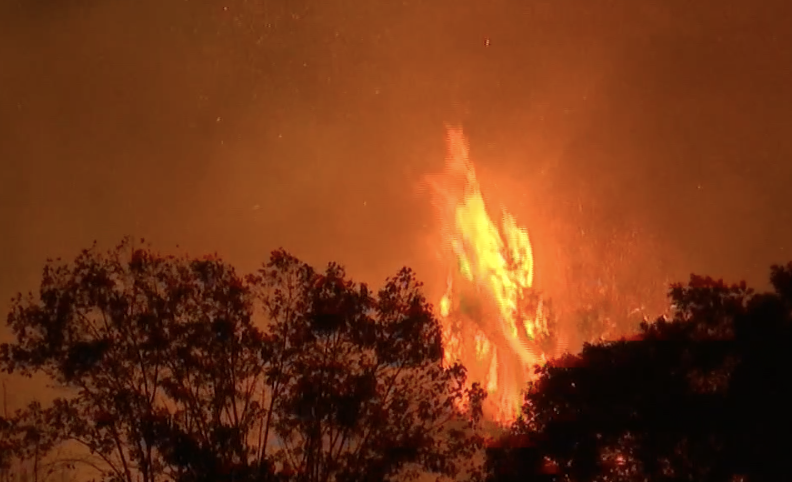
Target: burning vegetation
{"points": [[496, 320], [167, 376]]}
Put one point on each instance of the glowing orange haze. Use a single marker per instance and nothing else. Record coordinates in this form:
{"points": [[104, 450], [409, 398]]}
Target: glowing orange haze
{"points": [[488, 324]]}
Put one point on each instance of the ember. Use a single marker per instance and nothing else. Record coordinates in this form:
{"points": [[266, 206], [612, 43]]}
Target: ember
{"points": [[494, 321]]}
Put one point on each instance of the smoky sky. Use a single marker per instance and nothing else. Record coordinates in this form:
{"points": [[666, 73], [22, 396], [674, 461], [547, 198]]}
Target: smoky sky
{"points": [[239, 126]]}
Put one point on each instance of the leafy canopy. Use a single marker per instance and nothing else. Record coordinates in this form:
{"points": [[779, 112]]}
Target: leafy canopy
{"points": [[702, 396], [178, 368]]}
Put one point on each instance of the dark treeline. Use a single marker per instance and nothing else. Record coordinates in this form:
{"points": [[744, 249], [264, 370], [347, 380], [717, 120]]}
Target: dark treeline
{"points": [[704, 395], [179, 369]]}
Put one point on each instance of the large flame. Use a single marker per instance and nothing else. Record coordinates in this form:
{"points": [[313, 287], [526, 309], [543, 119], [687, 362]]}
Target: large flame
{"points": [[492, 318]]}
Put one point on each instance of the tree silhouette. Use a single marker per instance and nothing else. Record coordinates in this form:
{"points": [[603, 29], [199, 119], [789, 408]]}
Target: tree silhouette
{"points": [[702, 396], [361, 388], [170, 374], [513, 457], [25, 443]]}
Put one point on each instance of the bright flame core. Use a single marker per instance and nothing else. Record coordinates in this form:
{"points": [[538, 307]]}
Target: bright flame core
{"points": [[491, 316]]}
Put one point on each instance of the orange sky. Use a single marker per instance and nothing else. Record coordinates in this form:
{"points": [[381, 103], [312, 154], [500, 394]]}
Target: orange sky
{"points": [[238, 126]]}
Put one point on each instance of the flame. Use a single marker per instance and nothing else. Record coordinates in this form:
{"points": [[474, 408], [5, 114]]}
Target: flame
{"points": [[487, 324]]}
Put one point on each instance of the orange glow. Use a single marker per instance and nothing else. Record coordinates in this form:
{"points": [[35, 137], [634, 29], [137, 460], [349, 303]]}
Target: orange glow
{"points": [[487, 323]]}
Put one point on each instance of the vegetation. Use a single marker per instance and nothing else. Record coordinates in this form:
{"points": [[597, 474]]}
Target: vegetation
{"points": [[702, 396], [180, 369]]}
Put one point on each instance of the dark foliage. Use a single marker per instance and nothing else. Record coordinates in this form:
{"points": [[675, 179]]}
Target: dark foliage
{"points": [[168, 377], [514, 457], [25, 441], [180, 369], [704, 396]]}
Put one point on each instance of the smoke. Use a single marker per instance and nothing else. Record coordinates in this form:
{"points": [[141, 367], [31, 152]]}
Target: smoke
{"points": [[240, 126]]}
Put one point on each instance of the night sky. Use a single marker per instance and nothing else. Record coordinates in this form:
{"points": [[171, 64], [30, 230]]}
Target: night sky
{"points": [[240, 126]]}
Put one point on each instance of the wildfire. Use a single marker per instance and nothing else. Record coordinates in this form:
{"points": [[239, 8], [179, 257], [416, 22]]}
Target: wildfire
{"points": [[493, 319]]}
